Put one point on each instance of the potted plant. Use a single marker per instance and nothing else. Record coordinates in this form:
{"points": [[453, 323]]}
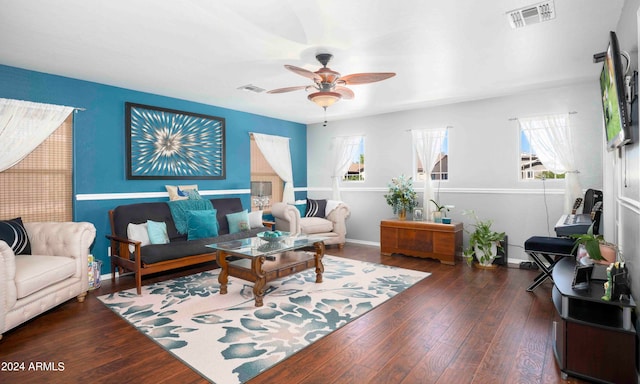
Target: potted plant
{"points": [[440, 211], [593, 248], [483, 243], [401, 196]]}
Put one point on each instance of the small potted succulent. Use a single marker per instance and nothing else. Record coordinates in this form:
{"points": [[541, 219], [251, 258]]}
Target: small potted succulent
{"points": [[401, 196]]}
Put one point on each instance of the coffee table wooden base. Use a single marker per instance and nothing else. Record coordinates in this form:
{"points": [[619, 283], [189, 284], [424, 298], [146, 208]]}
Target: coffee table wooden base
{"points": [[261, 269]]}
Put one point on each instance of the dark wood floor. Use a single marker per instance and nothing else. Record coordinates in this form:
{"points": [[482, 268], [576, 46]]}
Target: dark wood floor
{"points": [[460, 325]]}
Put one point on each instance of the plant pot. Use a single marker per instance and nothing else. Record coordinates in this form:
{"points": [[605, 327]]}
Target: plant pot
{"points": [[402, 214], [437, 217], [608, 251], [486, 261]]}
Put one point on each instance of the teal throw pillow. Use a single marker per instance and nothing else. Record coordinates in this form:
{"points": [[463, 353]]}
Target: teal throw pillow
{"points": [[202, 224], [302, 208], [193, 194], [157, 232], [238, 222]]}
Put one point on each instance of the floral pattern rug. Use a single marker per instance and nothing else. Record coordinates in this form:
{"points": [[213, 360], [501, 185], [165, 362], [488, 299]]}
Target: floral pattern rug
{"points": [[228, 340]]}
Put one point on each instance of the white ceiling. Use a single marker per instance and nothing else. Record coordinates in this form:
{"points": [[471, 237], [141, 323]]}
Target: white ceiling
{"points": [[203, 50]]}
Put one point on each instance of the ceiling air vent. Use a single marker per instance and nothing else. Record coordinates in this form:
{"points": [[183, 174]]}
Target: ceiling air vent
{"points": [[251, 88], [532, 14]]}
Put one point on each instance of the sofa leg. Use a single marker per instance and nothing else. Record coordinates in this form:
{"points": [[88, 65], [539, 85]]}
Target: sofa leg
{"points": [[139, 283], [341, 246], [81, 297]]}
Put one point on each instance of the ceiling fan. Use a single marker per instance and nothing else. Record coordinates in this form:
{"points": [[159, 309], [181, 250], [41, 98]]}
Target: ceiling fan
{"points": [[328, 85]]}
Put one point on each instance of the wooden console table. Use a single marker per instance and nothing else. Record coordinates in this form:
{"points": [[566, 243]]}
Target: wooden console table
{"points": [[421, 239]]}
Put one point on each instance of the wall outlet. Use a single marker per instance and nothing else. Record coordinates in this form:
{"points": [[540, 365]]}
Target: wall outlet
{"points": [[108, 251]]}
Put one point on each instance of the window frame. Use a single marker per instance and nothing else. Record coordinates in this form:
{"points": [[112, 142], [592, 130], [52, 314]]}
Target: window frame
{"points": [[416, 160], [362, 171], [521, 154]]}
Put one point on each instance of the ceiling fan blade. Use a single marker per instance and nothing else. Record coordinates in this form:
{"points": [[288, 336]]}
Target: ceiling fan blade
{"points": [[346, 93], [365, 78], [288, 89], [303, 72]]}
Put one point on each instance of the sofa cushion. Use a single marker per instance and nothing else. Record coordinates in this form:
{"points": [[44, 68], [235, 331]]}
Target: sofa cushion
{"points": [[179, 192], [310, 225], [177, 249], [316, 208], [141, 212], [225, 206], [157, 232], [201, 224], [13, 233], [255, 219], [36, 272], [138, 232], [238, 222]]}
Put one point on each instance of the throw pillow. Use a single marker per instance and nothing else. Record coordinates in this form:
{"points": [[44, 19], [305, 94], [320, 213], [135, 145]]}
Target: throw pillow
{"points": [[302, 208], [192, 194], [255, 219], [138, 232], [316, 208], [179, 192], [202, 224], [157, 232], [13, 233], [238, 222]]}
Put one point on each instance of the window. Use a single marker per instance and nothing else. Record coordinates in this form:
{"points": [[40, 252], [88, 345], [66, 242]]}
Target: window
{"points": [[39, 187], [355, 172], [261, 170], [440, 170], [531, 168]]}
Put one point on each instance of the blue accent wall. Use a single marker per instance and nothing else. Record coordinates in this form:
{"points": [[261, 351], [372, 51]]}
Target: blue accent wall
{"points": [[99, 142]]}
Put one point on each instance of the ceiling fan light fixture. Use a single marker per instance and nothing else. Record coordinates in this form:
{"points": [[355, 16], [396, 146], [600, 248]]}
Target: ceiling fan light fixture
{"points": [[324, 98]]}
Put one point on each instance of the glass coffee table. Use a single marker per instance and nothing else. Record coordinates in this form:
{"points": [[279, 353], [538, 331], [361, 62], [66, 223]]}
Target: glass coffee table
{"points": [[260, 261]]}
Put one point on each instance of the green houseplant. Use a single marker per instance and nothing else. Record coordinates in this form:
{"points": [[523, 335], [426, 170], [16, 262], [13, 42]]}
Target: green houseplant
{"points": [[401, 196], [483, 242], [594, 247], [440, 211]]}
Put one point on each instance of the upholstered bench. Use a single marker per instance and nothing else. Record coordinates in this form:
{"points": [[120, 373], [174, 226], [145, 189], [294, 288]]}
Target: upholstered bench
{"points": [[549, 249]]}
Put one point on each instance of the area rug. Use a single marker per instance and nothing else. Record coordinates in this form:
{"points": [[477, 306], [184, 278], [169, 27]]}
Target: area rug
{"points": [[228, 340]]}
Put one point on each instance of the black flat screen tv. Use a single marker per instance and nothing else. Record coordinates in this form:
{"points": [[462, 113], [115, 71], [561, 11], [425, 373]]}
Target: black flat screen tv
{"points": [[614, 105]]}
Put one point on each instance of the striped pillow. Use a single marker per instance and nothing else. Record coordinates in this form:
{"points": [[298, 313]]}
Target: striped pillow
{"points": [[316, 208], [13, 233]]}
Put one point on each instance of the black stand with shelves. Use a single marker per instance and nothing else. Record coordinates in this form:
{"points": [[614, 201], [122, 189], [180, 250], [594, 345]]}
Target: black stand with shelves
{"points": [[594, 339]]}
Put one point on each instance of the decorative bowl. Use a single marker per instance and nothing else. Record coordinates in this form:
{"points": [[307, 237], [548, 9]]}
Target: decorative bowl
{"points": [[271, 236]]}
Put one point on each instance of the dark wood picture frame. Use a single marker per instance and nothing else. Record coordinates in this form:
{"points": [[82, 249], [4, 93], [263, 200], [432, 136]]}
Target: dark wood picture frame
{"points": [[173, 145]]}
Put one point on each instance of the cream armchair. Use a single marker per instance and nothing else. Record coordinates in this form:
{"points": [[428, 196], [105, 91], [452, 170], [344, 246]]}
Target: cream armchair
{"points": [[333, 226], [56, 271]]}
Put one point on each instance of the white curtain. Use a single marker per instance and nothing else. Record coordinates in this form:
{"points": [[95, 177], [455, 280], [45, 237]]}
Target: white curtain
{"points": [[550, 139], [24, 125], [427, 144], [276, 151], [344, 149]]}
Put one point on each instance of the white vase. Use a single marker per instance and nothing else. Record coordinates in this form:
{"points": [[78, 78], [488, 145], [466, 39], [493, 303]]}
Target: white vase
{"points": [[480, 255]]}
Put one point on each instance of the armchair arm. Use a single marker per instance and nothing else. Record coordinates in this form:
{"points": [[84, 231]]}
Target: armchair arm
{"points": [[287, 217], [8, 292], [339, 217], [68, 239]]}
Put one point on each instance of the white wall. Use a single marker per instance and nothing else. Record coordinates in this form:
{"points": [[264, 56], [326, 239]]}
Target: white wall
{"points": [[483, 164]]}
